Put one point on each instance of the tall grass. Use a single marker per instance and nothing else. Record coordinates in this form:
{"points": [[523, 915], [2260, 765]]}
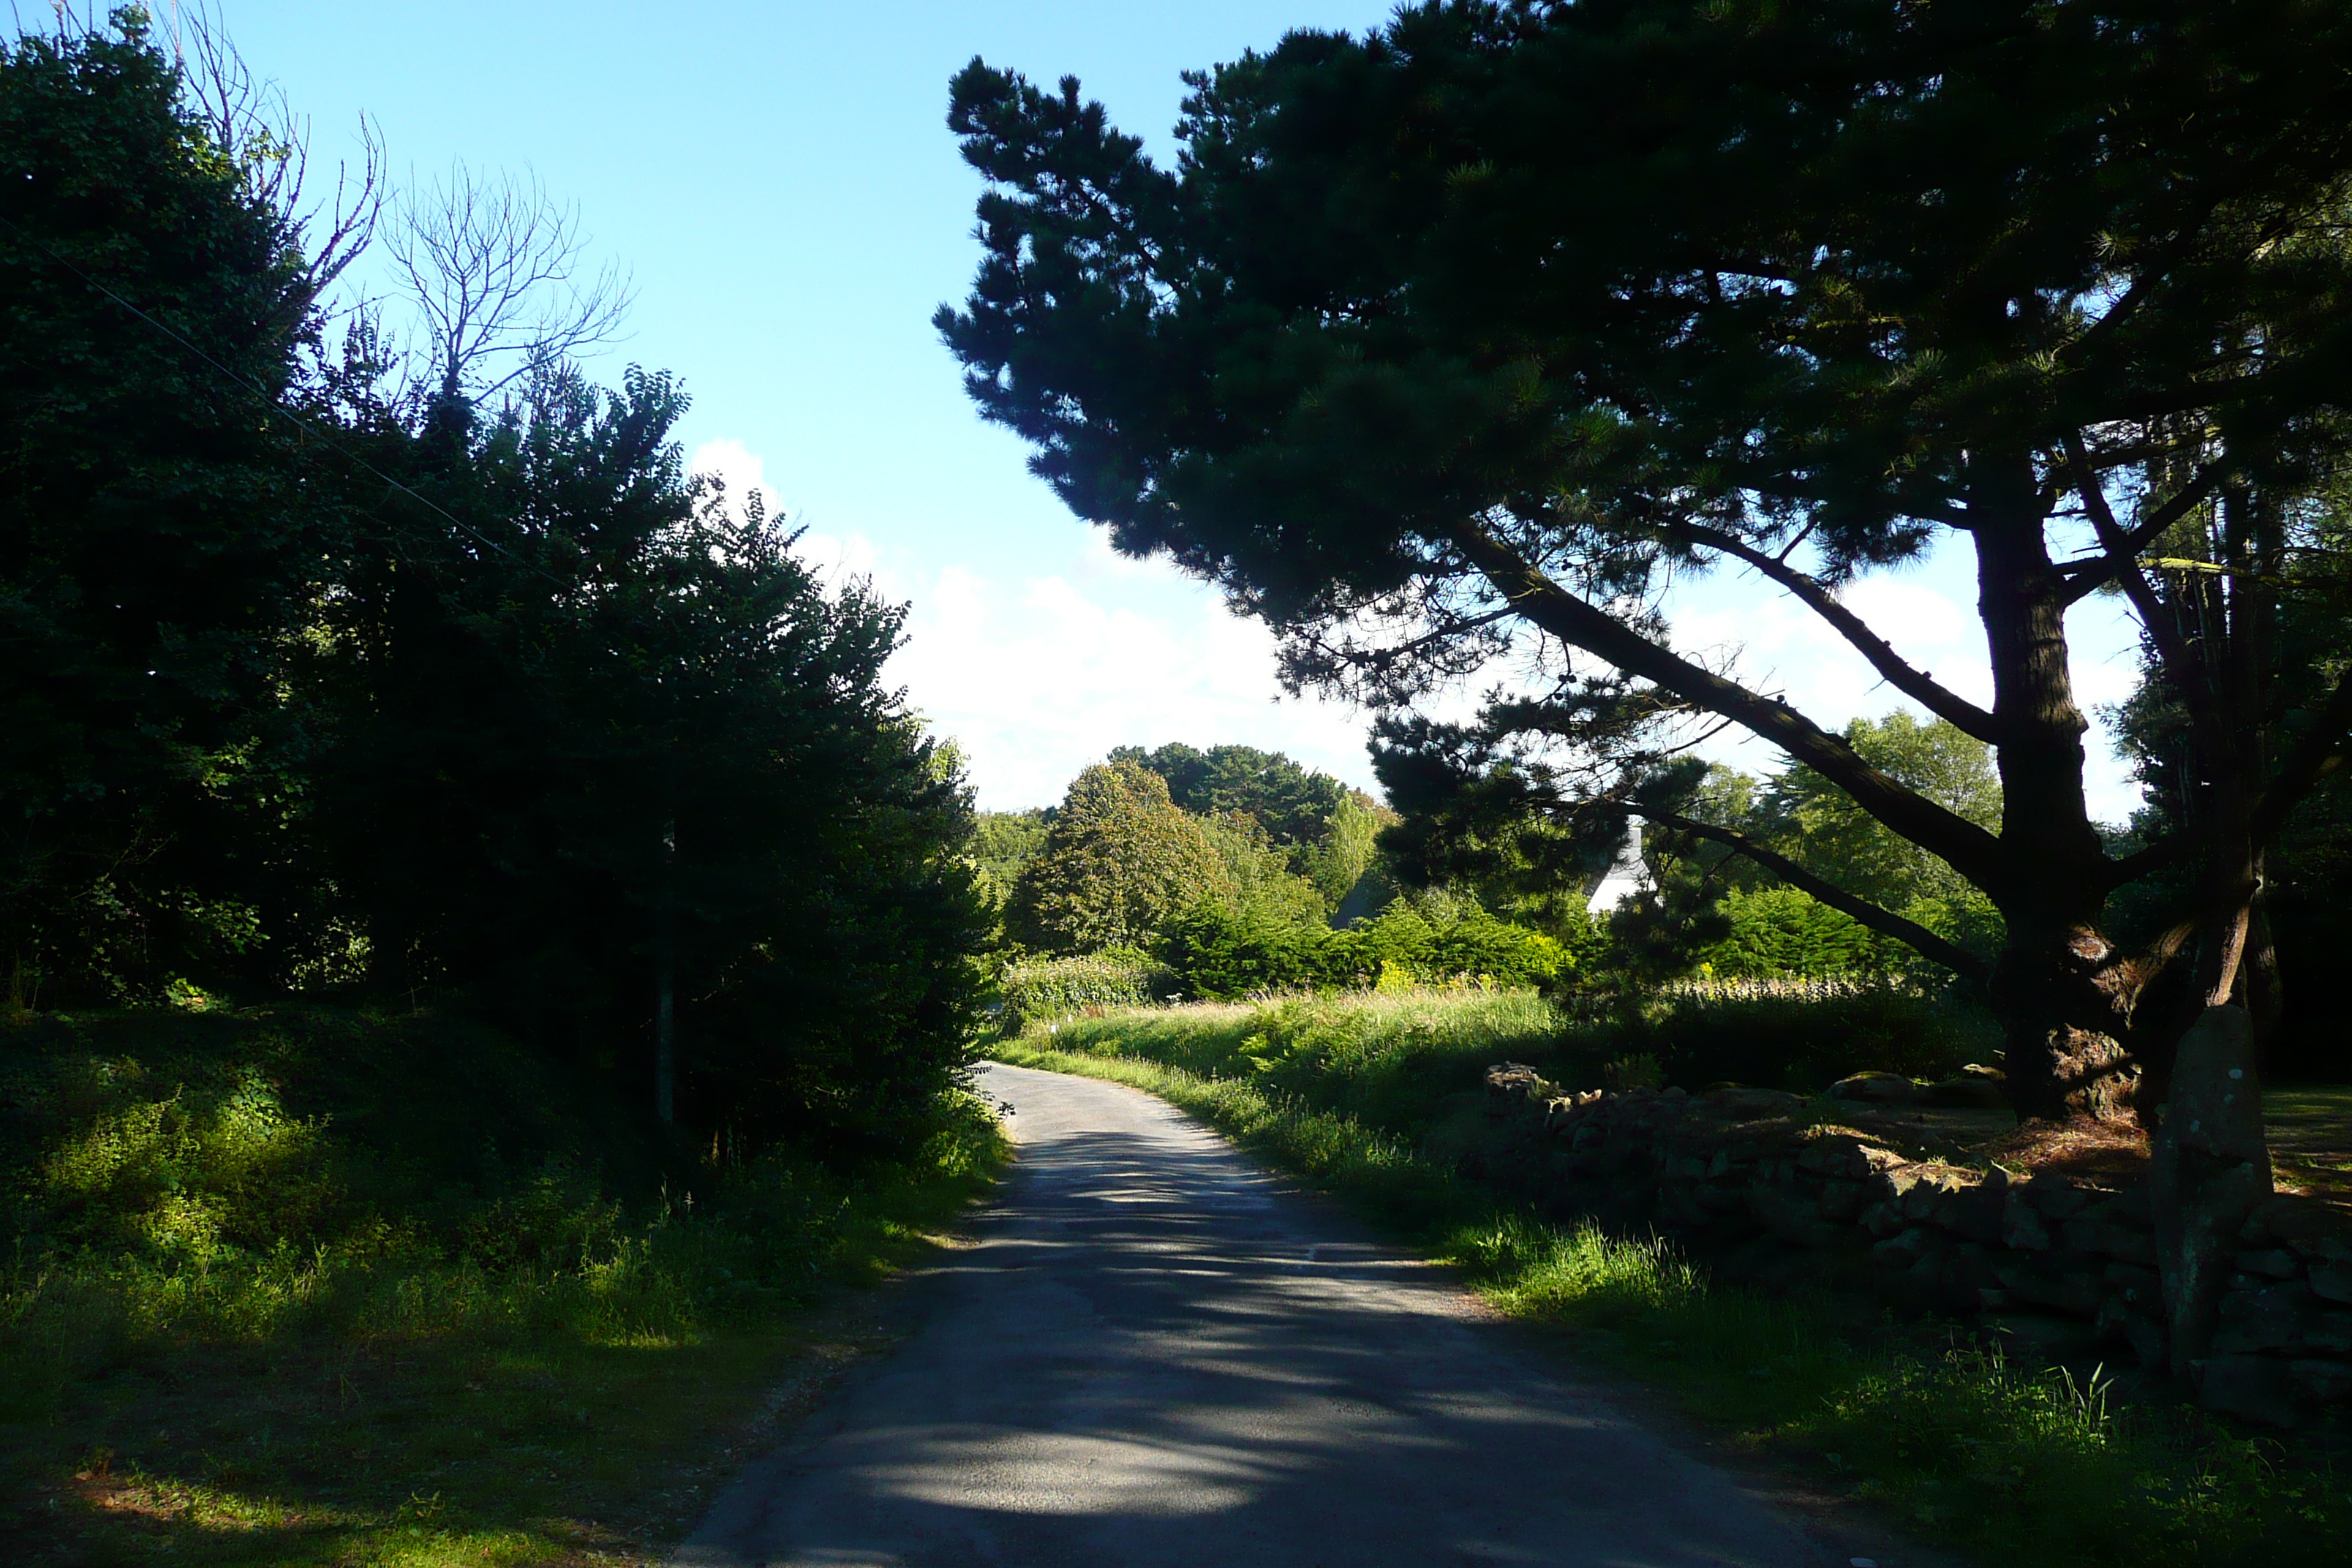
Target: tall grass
{"points": [[1392, 1056], [347, 1261], [2022, 1464]]}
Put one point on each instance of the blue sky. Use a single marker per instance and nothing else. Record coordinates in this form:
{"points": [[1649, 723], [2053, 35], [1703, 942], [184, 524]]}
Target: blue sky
{"points": [[780, 181]]}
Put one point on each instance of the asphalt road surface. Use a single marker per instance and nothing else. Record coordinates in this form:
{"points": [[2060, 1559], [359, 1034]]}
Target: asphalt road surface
{"points": [[1153, 1353]]}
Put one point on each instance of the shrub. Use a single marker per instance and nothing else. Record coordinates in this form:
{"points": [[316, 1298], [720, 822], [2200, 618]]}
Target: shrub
{"points": [[1041, 989], [1217, 951], [168, 1179], [1805, 1035]]}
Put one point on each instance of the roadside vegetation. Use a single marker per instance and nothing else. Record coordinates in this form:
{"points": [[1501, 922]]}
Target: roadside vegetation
{"points": [[482, 949], [296, 1286], [2016, 1463]]}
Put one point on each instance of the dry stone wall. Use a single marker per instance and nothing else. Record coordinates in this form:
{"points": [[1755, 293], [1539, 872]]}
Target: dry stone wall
{"points": [[2059, 1267]]}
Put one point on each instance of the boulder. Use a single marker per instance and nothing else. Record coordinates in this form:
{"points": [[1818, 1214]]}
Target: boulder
{"points": [[2209, 1171], [2311, 1230], [2328, 1332], [2047, 1283], [2053, 1197], [1879, 1089], [1882, 1219], [2269, 1319], [2022, 1225], [2136, 1288], [1836, 1152], [2332, 1281], [1739, 1102], [1919, 1189], [1509, 1082], [2259, 1388], [1792, 1215], [2322, 1382], [2038, 1337], [2269, 1263], [1973, 1209], [1906, 1249], [1842, 1201], [2142, 1333], [2103, 1232]]}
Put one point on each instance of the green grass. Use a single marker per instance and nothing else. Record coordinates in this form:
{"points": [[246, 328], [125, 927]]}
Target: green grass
{"points": [[2310, 1131], [2017, 1464], [1390, 1057], [324, 1289]]}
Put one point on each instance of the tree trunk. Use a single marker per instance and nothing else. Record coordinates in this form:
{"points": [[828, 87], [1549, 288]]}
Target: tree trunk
{"points": [[2062, 992]]}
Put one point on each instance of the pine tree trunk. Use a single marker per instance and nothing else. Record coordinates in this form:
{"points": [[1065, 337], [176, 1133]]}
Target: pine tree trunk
{"points": [[2062, 992]]}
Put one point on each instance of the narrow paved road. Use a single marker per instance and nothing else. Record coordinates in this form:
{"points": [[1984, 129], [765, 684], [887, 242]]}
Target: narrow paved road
{"points": [[1153, 1355]]}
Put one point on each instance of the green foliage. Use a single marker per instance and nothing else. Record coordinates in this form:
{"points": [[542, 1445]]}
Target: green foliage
{"points": [[1820, 826], [1708, 906], [540, 721], [2023, 1465], [1340, 862], [1290, 804], [1221, 951], [244, 1179], [1407, 1049], [1481, 329], [1261, 874], [1777, 931], [2304, 908], [507, 743], [1119, 857], [1801, 1035], [1047, 988], [152, 563], [1002, 842], [322, 1286]]}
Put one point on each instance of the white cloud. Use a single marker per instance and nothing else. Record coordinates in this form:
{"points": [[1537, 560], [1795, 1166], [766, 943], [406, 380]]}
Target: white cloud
{"points": [[742, 469], [1037, 678]]}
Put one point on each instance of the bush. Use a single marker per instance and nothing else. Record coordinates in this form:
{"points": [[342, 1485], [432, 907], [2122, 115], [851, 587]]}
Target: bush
{"points": [[1802, 1034], [1037, 990], [168, 1180], [1217, 951]]}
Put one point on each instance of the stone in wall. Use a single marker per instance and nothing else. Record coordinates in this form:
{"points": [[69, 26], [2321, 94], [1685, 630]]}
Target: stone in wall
{"points": [[2056, 1267]]}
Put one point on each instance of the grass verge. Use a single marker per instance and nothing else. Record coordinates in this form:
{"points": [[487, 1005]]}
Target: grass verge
{"points": [[2015, 1464], [254, 1313]]}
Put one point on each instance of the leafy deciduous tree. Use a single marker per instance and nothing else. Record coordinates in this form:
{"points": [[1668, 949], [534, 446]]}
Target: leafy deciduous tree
{"points": [[1119, 858]]}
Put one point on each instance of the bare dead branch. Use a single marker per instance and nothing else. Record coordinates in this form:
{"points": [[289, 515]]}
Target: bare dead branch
{"points": [[494, 270], [251, 119]]}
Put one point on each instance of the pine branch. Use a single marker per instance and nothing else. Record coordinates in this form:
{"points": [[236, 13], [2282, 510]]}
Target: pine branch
{"points": [[1973, 852], [1810, 591], [1885, 921]]}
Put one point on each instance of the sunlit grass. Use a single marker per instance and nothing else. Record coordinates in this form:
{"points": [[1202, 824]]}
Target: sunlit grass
{"points": [[214, 1350], [2020, 1464]]}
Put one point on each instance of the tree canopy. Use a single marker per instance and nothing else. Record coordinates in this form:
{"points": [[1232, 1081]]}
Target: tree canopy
{"points": [[1466, 337], [324, 680], [1119, 858]]}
